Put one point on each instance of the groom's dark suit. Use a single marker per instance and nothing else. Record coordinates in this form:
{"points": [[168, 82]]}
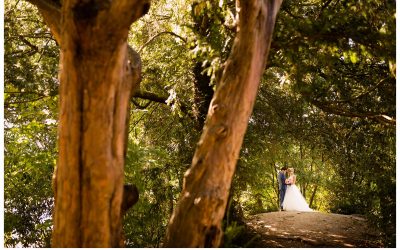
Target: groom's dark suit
{"points": [[282, 187]]}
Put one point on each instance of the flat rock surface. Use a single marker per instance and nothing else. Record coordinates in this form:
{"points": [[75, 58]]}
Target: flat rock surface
{"points": [[311, 229]]}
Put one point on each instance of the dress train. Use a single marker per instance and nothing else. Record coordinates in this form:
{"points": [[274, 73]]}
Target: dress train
{"points": [[294, 200]]}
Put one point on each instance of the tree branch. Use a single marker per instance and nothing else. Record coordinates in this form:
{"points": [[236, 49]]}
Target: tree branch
{"points": [[362, 94], [159, 34], [51, 12], [285, 9], [47, 5], [139, 105], [132, 10], [7, 104], [22, 92], [324, 6], [150, 96], [24, 40], [381, 118], [160, 99]]}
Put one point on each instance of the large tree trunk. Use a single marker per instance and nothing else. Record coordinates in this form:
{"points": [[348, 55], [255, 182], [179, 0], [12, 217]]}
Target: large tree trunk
{"points": [[196, 221], [97, 76]]}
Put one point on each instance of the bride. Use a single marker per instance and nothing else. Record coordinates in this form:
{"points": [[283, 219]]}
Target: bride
{"points": [[294, 200]]}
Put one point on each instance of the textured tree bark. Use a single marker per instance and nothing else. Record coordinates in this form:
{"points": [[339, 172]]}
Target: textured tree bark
{"points": [[196, 221], [98, 73]]}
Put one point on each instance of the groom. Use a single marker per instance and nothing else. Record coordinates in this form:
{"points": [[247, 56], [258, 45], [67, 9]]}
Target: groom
{"points": [[282, 185]]}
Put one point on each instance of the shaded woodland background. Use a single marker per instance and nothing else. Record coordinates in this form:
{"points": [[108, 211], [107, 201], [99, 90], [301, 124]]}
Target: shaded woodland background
{"points": [[326, 106]]}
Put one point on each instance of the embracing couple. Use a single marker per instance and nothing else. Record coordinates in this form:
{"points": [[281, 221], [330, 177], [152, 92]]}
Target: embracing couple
{"points": [[290, 197]]}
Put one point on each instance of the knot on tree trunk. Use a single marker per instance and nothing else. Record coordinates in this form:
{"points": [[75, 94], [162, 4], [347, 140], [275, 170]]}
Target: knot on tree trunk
{"points": [[129, 198], [221, 130], [218, 110]]}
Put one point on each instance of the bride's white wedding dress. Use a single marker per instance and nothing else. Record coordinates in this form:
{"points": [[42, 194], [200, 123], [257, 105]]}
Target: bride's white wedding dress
{"points": [[294, 200]]}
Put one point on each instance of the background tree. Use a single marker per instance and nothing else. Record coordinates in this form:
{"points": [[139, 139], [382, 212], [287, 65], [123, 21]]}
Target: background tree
{"points": [[30, 105]]}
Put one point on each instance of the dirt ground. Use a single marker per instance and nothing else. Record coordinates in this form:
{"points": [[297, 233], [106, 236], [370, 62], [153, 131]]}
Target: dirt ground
{"points": [[310, 229]]}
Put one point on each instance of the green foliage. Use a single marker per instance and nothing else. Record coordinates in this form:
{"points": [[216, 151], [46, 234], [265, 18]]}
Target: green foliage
{"points": [[30, 84], [231, 233], [148, 170], [322, 108], [212, 34], [344, 70]]}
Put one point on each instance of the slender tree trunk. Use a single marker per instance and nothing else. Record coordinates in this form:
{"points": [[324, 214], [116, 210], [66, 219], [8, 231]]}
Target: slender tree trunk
{"points": [[275, 183], [303, 186], [313, 195], [97, 76], [196, 221], [203, 94], [170, 193], [304, 190]]}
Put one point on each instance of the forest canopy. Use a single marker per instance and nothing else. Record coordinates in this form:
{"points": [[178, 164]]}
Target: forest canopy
{"points": [[325, 106]]}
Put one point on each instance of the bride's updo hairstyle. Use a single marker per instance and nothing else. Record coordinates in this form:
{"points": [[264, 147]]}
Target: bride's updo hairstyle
{"points": [[290, 170]]}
